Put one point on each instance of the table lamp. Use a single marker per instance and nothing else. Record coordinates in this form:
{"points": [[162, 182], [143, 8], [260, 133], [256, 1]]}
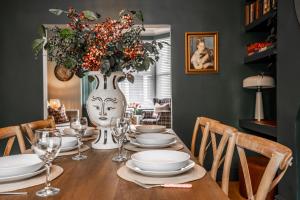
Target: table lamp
{"points": [[54, 103], [259, 82]]}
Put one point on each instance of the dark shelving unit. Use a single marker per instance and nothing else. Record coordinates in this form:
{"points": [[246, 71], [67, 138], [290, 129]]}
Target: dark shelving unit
{"points": [[260, 24], [263, 56], [266, 127]]}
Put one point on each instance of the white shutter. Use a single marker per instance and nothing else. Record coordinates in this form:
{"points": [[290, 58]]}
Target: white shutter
{"points": [[163, 71]]}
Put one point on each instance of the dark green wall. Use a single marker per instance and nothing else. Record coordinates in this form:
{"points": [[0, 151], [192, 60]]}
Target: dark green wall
{"points": [[288, 93], [215, 95]]}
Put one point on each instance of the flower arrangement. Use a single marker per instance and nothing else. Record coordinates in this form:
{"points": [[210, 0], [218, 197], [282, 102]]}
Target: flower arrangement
{"points": [[88, 44], [136, 107]]}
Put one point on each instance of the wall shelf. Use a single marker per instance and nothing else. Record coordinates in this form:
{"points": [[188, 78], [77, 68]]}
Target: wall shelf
{"points": [[266, 127], [260, 24], [261, 56]]}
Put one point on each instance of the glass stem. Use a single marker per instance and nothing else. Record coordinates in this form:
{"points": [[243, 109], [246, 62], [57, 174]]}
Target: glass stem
{"points": [[120, 147], [79, 144], [47, 183]]}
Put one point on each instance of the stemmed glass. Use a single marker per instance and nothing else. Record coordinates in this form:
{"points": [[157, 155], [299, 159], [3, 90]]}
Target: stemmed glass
{"points": [[46, 145], [119, 126], [79, 125]]}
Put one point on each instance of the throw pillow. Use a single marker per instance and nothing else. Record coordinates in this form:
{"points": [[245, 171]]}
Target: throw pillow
{"points": [[58, 114], [162, 107]]}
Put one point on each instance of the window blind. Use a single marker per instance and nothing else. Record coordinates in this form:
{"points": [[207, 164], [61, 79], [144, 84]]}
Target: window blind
{"points": [[163, 70]]}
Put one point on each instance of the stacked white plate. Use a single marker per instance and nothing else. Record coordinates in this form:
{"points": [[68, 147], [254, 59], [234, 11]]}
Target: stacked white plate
{"points": [[160, 163], [68, 144], [154, 140], [150, 128], [18, 167], [89, 132]]}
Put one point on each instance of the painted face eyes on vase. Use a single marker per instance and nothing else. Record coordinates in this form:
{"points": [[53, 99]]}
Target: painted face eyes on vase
{"points": [[97, 107], [110, 108]]}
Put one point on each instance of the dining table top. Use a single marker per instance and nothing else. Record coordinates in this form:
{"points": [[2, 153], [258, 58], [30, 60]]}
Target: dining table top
{"points": [[96, 178]]}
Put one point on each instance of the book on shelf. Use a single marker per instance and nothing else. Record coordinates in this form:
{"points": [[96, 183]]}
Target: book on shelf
{"points": [[247, 21], [266, 6]]}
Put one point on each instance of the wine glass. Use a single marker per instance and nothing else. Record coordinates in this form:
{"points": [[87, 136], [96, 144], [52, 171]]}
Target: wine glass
{"points": [[129, 116], [46, 145], [119, 126], [79, 125]]}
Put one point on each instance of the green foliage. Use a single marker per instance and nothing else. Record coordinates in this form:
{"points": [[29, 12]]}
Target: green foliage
{"points": [[68, 46]]}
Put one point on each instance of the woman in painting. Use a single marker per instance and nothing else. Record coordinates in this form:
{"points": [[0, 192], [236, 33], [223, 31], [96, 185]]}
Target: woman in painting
{"points": [[203, 56]]}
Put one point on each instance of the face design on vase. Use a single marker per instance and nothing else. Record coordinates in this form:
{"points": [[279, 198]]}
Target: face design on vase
{"points": [[104, 109]]}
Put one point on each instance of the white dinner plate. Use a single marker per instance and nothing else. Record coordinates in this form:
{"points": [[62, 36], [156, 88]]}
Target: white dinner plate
{"points": [[188, 167], [22, 176], [150, 128], [19, 164], [155, 138], [89, 132], [160, 160], [149, 146]]}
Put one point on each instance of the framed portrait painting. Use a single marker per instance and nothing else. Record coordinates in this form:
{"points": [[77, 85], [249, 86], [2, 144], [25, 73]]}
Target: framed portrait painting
{"points": [[201, 52]]}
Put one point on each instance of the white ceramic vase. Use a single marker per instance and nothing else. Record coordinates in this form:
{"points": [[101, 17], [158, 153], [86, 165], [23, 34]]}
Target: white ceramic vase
{"points": [[104, 103]]}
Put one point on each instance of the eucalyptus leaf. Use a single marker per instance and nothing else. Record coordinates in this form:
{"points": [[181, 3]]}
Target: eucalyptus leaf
{"points": [[90, 15], [56, 11], [37, 45]]}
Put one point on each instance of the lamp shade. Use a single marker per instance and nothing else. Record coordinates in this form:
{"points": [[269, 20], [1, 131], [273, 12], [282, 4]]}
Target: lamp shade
{"points": [[54, 103], [253, 82]]}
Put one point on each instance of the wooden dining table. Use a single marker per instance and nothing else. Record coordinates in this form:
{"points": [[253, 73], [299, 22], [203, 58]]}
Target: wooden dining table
{"points": [[96, 178]]}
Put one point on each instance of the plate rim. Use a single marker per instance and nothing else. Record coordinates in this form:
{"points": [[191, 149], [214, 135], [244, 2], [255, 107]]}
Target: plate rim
{"points": [[153, 145], [161, 173], [21, 176]]}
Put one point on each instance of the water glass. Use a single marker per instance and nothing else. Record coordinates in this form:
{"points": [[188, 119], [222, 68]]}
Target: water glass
{"points": [[119, 126], [46, 145], [79, 125]]}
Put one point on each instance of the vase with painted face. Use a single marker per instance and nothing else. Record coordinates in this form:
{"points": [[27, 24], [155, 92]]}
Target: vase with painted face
{"points": [[104, 103]]}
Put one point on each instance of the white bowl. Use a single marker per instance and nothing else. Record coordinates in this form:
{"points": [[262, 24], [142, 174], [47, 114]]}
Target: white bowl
{"points": [[68, 142], [160, 160], [150, 128], [19, 164], [155, 138]]}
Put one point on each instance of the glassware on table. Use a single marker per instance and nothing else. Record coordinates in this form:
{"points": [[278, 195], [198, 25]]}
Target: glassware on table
{"points": [[129, 115], [119, 126], [46, 145], [79, 125]]}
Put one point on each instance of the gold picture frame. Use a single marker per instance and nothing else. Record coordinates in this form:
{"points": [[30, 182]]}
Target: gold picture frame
{"points": [[201, 52]]}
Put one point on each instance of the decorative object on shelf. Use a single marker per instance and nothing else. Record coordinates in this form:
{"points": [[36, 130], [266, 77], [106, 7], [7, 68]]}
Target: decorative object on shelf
{"points": [[54, 103], [108, 50], [259, 82], [258, 47], [201, 52], [62, 73]]}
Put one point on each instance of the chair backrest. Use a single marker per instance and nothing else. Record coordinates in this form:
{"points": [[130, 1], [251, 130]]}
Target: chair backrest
{"points": [[280, 159], [228, 137], [30, 127], [211, 128], [202, 123], [11, 133]]}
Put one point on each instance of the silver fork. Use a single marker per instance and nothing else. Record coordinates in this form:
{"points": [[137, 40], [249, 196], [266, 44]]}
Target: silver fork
{"points": [[148, 186], [13, 193]]}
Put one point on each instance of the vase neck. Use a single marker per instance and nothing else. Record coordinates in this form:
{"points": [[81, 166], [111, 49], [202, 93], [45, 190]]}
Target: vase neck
{"points": [[107, 82]]}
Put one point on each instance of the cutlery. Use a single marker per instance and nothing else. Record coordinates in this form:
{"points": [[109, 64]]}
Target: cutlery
{"points": [[148, 186], [13, 193]]}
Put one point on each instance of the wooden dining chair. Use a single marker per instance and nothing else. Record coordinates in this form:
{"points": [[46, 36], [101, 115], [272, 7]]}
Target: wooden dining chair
{"points": [[11, 133], [202, 123], [30, 127], [280, 159], [211, 130]]}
